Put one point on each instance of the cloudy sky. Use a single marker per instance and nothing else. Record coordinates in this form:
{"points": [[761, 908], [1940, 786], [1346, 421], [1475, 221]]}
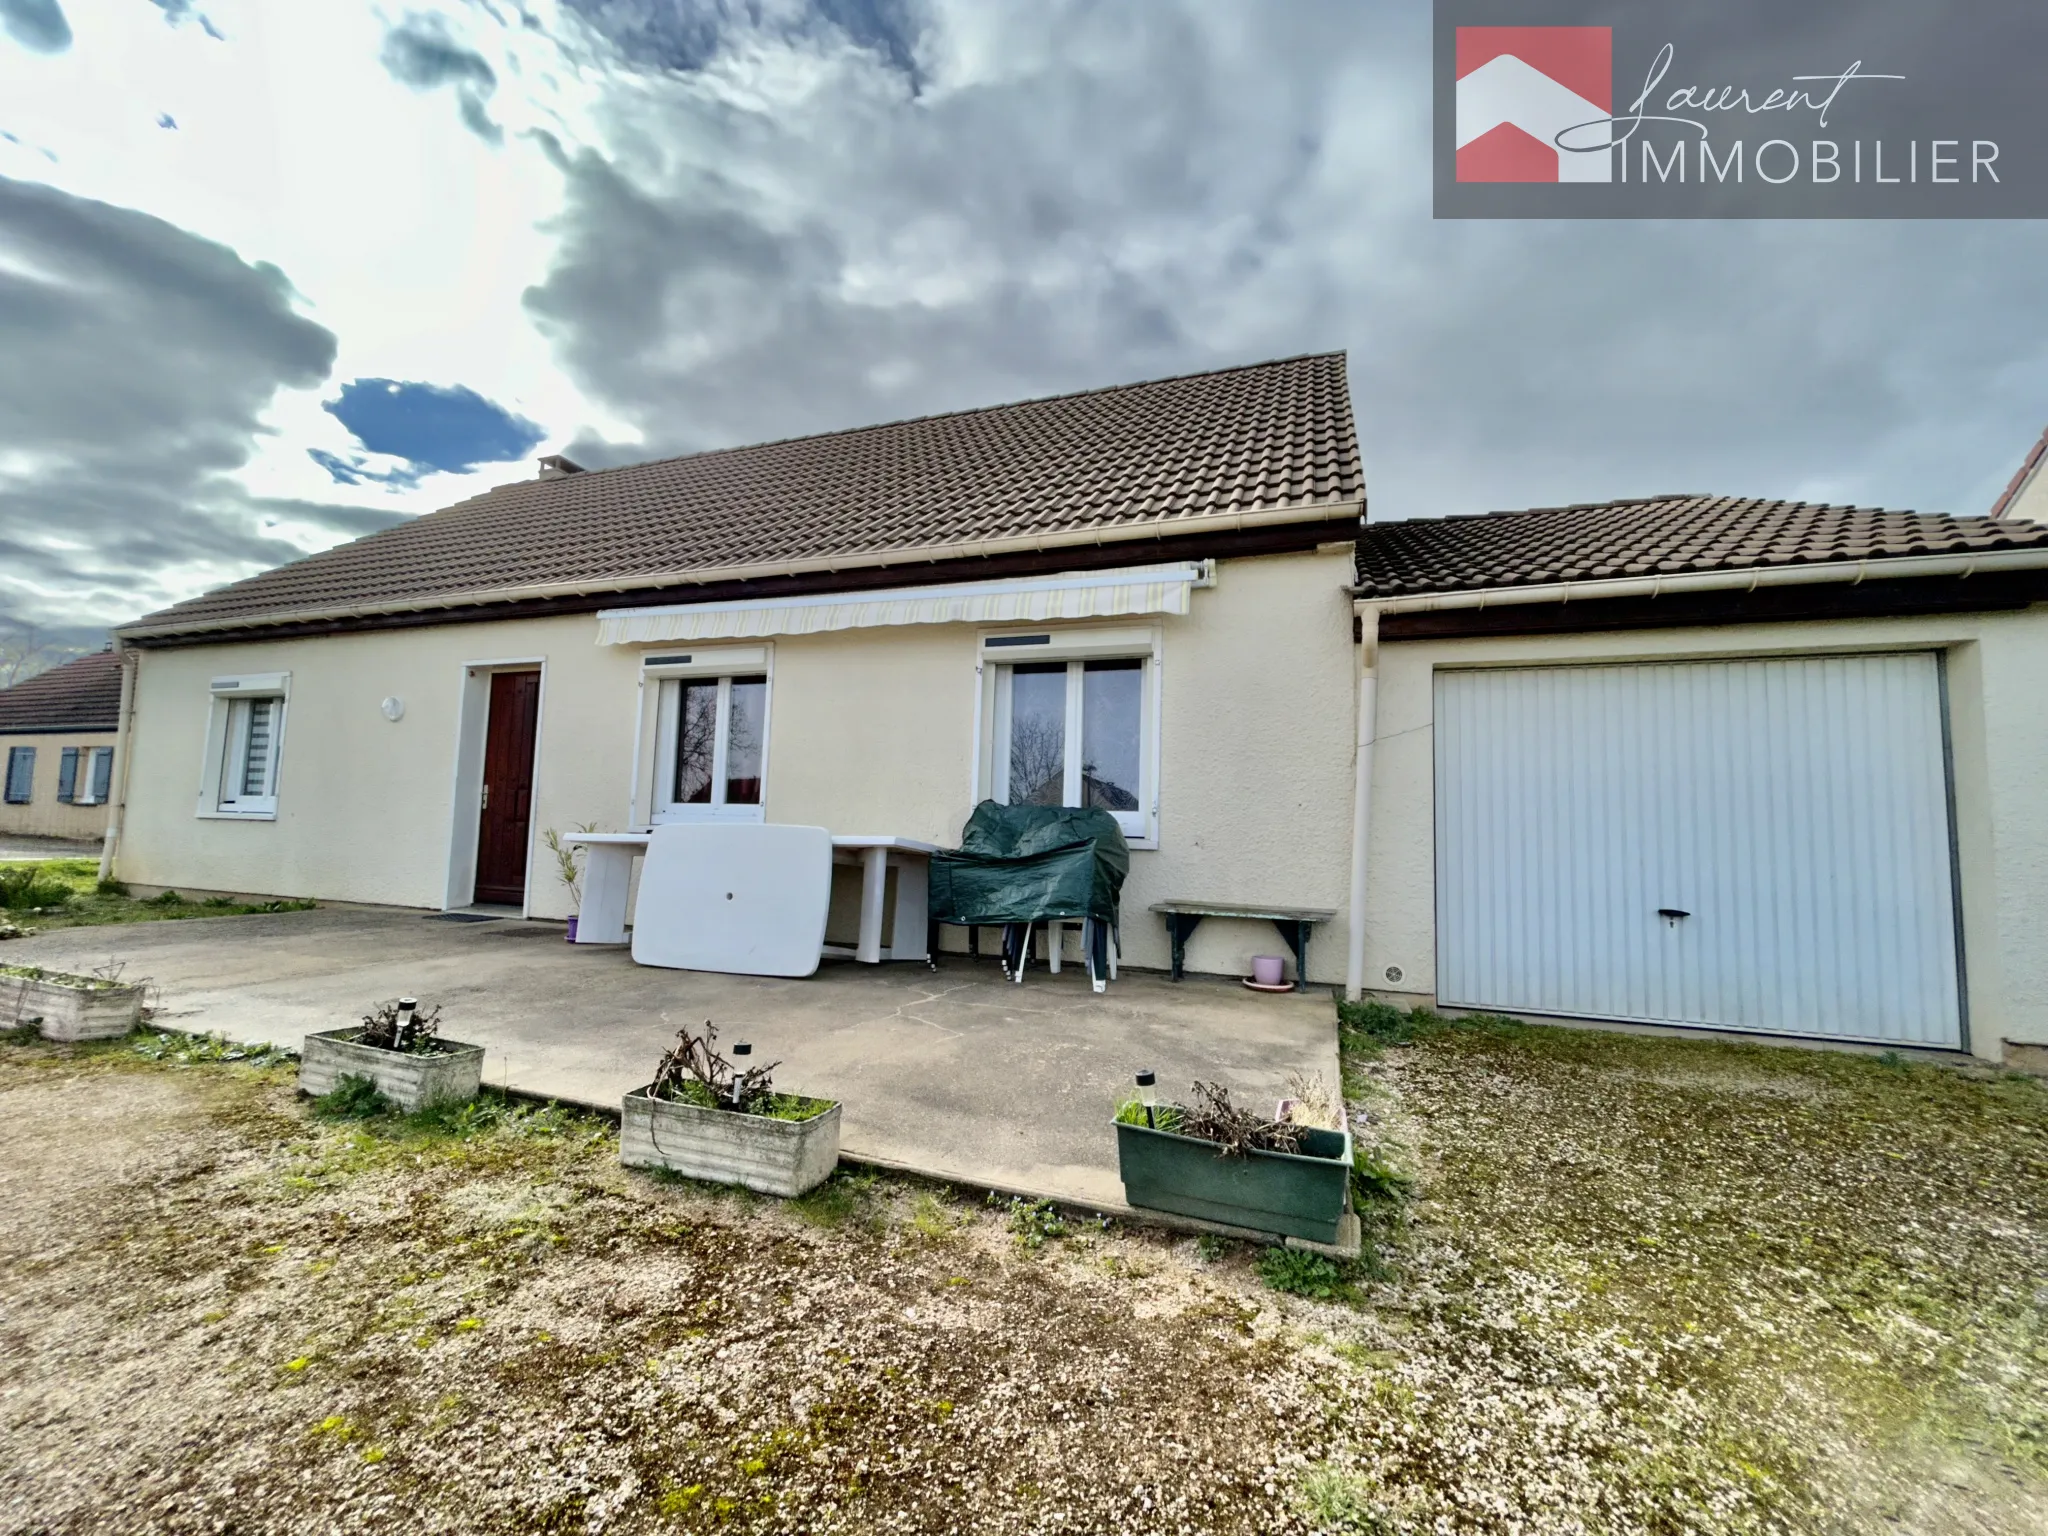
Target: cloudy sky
{"points": [[275, 275]]}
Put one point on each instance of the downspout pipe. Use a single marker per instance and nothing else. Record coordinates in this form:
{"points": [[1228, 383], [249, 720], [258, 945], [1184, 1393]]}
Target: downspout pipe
{"points": [[1368, 616], [124, 736]]}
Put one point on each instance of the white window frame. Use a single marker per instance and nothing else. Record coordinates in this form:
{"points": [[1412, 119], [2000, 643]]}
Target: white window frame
{"points": [[662, 675], [221, 772], [1002, 650], [82, 780]]}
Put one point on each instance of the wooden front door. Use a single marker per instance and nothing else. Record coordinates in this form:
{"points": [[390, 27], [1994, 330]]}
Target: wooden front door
{"points": [[506, 815]]}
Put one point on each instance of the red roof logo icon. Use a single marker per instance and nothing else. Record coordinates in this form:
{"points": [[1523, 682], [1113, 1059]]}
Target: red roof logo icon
{"points": [[1519, 88]]}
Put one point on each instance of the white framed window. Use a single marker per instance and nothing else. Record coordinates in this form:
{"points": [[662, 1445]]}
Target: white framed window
{"points": [[710, 735], [85, 775], [244, 747], [1077, 723]]}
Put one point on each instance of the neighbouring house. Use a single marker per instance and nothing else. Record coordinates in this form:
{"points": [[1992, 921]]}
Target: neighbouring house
{"points": [[1136, 597], [57, 734]]}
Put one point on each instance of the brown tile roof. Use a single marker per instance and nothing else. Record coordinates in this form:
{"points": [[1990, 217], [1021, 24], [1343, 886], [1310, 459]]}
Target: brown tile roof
{"points": [[81, 695], [1139, 459], [1656, 535]]}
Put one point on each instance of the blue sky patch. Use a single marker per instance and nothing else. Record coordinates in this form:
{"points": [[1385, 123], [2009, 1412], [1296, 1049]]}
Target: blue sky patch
{"points": [[430, 426]]}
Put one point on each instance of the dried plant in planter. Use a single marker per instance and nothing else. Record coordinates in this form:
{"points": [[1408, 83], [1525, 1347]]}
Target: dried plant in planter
{"points": [[397, 1024], [1314, 1104], [1236, 1131], [693, 1072]]}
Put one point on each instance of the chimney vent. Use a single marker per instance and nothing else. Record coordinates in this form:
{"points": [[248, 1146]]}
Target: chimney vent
{"points": [[553, 466]]}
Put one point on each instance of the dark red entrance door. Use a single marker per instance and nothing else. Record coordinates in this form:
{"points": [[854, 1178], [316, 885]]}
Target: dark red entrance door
{"points": [[507, 812]]}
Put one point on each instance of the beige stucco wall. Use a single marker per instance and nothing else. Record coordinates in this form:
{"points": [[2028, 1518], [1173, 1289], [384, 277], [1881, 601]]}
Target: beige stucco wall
{"points": [[44, 815], [871, 731], [1999, 723]]}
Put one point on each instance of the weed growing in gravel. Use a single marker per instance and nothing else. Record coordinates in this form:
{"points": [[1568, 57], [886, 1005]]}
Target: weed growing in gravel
{"points": [[844, 1198], [1314, 1275], [191, 1050], [352, 1098], [1341, 1503], [1034, 1222], [934, 1218]]}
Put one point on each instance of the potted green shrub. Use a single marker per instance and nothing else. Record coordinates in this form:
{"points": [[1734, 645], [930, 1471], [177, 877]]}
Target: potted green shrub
{"points": [[1214, 1161], [709, 1118], [569, 868], [66, 1007], [398, 1048]]}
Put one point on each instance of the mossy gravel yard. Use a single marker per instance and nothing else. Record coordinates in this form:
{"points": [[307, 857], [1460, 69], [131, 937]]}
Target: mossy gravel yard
{"points": [[1632, 1285]]}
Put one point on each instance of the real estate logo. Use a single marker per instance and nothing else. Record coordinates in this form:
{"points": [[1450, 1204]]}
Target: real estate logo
{"points": [[1522, 91], [1741, 109]]}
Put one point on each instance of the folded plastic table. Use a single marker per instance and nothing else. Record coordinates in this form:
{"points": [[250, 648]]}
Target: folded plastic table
{"points": [[608, 877]]}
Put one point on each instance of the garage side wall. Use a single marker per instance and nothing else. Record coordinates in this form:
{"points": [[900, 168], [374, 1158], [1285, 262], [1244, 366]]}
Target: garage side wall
{"points": [[1999, 748]]}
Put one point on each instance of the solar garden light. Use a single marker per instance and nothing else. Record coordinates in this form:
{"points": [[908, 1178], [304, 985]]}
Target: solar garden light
{"points": [[739, 1066], [401, 1036], [1148, 1094]]}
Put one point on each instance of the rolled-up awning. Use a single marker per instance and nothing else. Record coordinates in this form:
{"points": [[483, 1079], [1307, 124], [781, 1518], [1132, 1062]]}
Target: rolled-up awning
{"points": [[1027, 600]]}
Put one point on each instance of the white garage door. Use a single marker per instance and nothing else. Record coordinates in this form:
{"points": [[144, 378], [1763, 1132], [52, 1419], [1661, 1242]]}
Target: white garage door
{"points": [[1796, 812]]}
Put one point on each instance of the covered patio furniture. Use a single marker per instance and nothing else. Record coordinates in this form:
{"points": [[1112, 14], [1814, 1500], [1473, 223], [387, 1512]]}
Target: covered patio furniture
{"points": [[1019, 865]]}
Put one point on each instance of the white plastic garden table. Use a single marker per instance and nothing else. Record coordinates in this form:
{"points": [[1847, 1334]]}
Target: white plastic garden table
{"points": [[608, 876]]}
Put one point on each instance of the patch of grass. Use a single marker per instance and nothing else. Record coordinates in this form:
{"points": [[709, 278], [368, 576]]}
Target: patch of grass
{"points": [[192, 1050], [31, 887], [845, 1198], [1341, 1503], [352, 1098], [1315, 1275], [933, 1217], [68, 893]]}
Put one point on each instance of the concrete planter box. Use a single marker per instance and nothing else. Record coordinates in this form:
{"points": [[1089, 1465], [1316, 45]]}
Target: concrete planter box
{"points": [[69, 1007], [776, 1157], [1292, 1194], [409, 1081]]}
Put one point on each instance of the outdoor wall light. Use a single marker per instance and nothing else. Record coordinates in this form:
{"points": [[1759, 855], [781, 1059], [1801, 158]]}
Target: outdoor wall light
{"points": [[1148, 1092], [394, 708]]}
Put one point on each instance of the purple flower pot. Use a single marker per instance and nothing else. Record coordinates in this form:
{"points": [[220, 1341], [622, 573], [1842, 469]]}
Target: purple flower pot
{"points": [[1268, 970], [572, 930]]}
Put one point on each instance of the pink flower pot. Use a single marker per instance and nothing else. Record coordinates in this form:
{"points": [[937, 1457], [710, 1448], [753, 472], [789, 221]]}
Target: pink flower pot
{"points": [[1267, 970]]}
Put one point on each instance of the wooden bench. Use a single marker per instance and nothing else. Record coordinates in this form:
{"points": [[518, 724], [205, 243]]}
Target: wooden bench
{"points": [[1294, 923]]}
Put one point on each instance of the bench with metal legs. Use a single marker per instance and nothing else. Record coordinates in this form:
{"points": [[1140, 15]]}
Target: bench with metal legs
{"points": [[1294, 923]]}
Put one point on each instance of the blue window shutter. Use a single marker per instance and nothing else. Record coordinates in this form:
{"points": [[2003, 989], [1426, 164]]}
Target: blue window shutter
{"points": [[67, 776], [102, 773], [21, 774]]}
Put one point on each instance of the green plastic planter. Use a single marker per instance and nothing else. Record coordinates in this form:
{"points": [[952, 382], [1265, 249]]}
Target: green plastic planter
{"points": [[1292, 1194]]}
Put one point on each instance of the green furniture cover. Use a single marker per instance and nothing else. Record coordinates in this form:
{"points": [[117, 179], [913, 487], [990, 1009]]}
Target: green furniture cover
{"points": [[1028, 863]]}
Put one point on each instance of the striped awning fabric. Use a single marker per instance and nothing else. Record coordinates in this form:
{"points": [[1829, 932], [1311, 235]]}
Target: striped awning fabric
{"points": [[1029, 600]]}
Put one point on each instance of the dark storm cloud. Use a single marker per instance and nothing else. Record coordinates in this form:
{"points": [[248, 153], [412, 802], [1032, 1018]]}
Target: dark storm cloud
{"points": [[139, 359], [688, 34], [38, 25], [1115, 193], [421, 53]]}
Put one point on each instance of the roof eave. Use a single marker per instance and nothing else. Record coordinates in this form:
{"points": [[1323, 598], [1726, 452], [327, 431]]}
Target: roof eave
{"points": [[1214, 523], [1880, 567]]}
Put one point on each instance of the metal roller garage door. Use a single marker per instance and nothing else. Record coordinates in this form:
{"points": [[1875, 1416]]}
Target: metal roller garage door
{"points": [[1796, 812]]}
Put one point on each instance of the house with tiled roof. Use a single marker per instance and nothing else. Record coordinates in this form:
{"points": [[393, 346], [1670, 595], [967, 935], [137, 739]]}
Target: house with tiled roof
{"points": [[1696, 761], [57, 733]]}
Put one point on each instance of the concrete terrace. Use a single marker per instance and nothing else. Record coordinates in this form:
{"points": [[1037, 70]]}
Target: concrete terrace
{"points": [[955, 1074]]}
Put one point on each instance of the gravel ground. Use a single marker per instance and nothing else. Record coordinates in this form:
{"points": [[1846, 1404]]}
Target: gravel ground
{"points": [[1645, 1285]]}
